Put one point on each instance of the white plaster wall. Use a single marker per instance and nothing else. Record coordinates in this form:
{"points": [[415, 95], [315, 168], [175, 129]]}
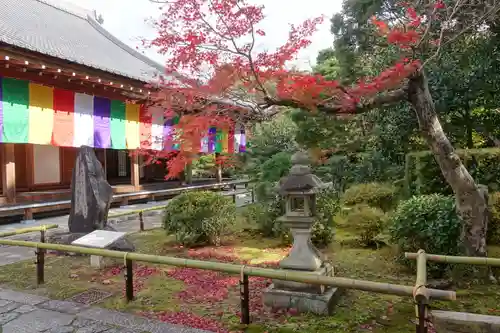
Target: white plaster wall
{"points": [[46, 162]]}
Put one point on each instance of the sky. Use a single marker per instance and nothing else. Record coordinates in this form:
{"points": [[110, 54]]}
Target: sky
{"points": [[126, 19]]}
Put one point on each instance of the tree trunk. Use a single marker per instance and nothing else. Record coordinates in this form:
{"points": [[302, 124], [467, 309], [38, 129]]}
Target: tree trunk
{"points": [[471, 200], [218, 170], [469, 128]]}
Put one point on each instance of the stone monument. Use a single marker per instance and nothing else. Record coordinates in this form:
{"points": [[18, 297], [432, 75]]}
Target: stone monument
{"points": [[299, 189], [91, 196]]}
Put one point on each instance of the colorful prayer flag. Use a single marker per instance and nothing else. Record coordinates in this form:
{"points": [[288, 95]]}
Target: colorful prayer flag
{"points": [[38, 114], [102, 130], [64, 114], [132, 129], [212, 133], [157, 123], [145, 123], [41, 114], [15, 106], [84, 121], [118, 139]]}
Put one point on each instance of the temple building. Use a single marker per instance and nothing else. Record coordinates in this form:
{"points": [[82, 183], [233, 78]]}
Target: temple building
{"points": [[65, 82]]}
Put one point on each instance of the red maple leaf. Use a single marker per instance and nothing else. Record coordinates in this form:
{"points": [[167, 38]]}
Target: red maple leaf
{"points": [[228, 80]]}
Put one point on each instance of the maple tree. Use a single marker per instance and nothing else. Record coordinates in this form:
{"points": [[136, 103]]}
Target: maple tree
{"points": [[228, 79]]}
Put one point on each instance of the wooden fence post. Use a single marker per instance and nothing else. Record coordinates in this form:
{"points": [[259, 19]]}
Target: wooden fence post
{"points": [[129, 280], [245, 298], [40, 260], [141, 221], [421, 294]]}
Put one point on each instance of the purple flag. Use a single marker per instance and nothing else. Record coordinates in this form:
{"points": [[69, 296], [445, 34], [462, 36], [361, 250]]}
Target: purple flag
{"points": [[102, 124]]}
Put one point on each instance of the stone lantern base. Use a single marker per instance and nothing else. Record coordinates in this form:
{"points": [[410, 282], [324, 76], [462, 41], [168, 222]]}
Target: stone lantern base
{"points": [[303, 297]]}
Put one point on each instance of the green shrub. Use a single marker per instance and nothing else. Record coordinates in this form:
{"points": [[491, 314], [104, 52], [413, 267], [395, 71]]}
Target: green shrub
{"points": [[277, 166], [199, 217], [327, 206], [365, 222], [427, 222], [263, 216], [265, 191], [377, 195], [423, 175], [493, 235]]}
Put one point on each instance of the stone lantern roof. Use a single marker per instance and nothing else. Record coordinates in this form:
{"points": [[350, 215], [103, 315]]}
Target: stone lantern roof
{"points": [[300, 178]]}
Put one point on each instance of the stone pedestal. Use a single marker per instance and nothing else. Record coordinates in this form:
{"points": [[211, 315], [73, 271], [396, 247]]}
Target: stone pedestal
{"points": [[303, 302], [96, 262], [325, 270], [100, 239], [303, 297], [303, 255]]}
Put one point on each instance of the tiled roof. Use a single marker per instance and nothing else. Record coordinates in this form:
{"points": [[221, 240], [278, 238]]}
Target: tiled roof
{"points": [[71, 33]]}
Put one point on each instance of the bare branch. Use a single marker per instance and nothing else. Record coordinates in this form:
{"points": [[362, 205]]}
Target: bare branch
{"points": [[428, 27], [494, 9]]}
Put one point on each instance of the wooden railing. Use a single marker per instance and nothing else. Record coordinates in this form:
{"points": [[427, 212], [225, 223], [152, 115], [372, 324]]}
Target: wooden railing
{"points": [[123, 198], [421, 294]]}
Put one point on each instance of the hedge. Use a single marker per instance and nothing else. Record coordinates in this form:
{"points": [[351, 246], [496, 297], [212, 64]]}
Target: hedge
{"points": [[346, 170], [423, 176]]}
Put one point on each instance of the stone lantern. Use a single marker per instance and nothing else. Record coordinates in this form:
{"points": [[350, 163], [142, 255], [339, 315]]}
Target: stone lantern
{"points": [[299, 190]]}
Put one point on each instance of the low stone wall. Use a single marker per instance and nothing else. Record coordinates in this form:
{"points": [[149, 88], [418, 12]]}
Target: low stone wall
{"points": [[463, 322]]}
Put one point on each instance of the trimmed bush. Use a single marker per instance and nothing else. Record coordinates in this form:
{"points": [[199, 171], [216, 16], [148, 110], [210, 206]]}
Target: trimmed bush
{"points": [[427, 222], [377, 195], [493, 235], [199, 217], [348, 169], [366, 223], [423, 176]]}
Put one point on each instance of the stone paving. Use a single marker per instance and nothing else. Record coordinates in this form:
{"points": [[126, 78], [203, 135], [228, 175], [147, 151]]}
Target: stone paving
{"points": [[27, 313]]}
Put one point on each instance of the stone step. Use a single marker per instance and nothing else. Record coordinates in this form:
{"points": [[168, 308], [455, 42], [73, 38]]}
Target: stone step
{"points": [[464, 322]]}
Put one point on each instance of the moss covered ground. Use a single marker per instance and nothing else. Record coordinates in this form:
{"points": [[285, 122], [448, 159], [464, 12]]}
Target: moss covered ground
{"points": [[210, 300]]}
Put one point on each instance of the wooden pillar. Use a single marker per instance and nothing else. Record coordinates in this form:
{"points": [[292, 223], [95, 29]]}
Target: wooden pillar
{"points": [[30, 166], [9, 172], [218, 165], [189, 173], [134, 170]]}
